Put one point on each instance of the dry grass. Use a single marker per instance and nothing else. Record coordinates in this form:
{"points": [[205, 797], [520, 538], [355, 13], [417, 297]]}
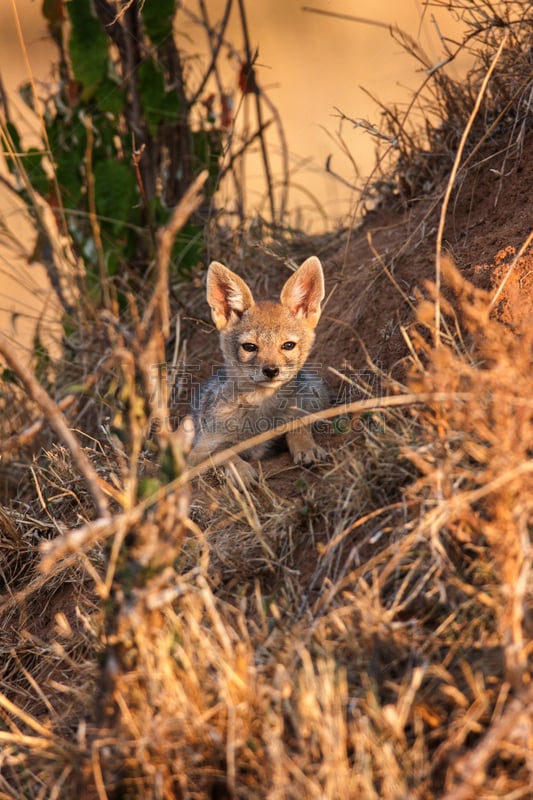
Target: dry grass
{"points": [[414, 159], [360, 632], [354, 639]]}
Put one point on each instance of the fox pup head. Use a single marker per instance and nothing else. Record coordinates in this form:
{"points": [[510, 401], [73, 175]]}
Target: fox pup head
{"points": [[266, 342]]}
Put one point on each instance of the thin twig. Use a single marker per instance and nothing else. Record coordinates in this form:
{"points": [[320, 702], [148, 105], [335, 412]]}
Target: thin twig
{"points": [[57, 421], [187, 205], [349, 17], [259, 112], [215, 48], [242, 149], [93, 216], [136, 157], [284, 158]]}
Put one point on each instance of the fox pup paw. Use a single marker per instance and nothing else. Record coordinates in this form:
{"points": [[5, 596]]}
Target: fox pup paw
{"points": [[241, 473], [310, 455]]}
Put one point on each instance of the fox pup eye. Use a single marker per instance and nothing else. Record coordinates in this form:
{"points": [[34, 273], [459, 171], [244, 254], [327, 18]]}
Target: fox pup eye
{"points": [[249, 347], [288, 345]]}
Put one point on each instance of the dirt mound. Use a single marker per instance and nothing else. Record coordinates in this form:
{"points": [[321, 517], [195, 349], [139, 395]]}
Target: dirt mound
{"points": [[375, 277]]}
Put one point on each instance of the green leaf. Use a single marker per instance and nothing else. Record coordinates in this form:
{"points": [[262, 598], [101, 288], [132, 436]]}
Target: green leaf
{"points": [[115, 192], [148, 487], [33, 162], [113, 263], [42, 359], [68, 175], [207, 149], [10, 143], [157, 17], [158, 104], [27, 96], [88, 47], [9, 376], [14, 136], [188, 248], [110, 97]]}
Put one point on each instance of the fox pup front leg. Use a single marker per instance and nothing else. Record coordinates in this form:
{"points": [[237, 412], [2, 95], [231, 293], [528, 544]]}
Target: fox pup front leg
{"points": [[236, 469], [303, 448]]}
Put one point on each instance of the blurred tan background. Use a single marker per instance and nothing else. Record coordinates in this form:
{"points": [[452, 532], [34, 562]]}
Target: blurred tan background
{"points": [[308, 64]]}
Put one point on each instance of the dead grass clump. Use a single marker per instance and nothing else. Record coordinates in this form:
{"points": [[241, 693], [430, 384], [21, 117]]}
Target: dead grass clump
{"points": [[413, 159], [360, 633], [477, 472], [289, 535]]}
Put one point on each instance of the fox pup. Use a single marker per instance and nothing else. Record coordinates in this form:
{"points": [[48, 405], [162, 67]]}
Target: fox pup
{"points": [[264, 382]]}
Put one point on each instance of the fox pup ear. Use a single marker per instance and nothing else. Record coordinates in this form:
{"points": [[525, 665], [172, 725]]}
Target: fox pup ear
{"points": [[227, 294], [304, 291]]}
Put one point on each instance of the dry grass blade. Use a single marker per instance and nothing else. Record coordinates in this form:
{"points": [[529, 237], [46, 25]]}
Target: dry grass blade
{"points": [[453, 176]]}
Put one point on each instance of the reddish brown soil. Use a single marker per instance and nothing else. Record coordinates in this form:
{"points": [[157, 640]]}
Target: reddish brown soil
{"points": [[489, 218]]}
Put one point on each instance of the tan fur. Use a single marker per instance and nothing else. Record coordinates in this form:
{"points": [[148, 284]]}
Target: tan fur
{"points": [[265, 346]]}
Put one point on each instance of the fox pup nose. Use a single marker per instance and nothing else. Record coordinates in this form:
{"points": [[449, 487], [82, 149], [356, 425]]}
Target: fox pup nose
{"points": [[271, 372]]}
